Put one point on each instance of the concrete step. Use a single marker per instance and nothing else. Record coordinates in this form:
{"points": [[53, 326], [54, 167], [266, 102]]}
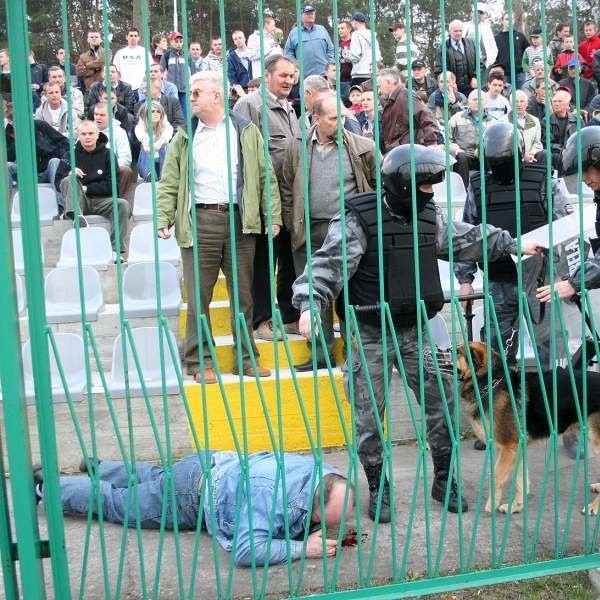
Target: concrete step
{"points": [[272, 353]]}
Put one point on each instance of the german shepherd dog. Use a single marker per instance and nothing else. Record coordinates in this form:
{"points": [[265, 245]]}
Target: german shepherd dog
{"points": [[506, 432]]}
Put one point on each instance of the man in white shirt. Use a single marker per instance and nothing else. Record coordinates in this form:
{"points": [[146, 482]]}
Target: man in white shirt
{"points": [[270, 46], [217, 190], [498, 107], [131, 60], [489, 50], [118, 143]]}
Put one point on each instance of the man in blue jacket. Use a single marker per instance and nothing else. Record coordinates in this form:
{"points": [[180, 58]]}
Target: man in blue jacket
{"points": [[177, 69], [317, 47], [239, 65], [248, 515]]}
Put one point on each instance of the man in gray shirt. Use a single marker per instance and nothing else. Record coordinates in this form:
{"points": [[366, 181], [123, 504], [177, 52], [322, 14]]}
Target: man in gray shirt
{"points": [[356, 158]]}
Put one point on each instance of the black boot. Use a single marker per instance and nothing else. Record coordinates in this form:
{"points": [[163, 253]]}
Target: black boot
{"points": [[373, 473], [441, 470]]}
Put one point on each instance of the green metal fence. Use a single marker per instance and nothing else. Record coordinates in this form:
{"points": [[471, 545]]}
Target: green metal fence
{"points": [[423, 550]]}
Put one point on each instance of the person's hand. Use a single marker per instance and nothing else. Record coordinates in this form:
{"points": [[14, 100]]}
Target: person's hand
{"points": [[314, 545], [275, 229], [532, 247], [239, 90], [164, 233], [451, 96], [304, 325], [474, 83], [529, 157], [78, 172], [84, 188], [564, 289], [146, 147], [466, 289]]}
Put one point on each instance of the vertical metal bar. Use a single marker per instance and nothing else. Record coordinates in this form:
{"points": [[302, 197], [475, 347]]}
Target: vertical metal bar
{"points": [[17, 431]]}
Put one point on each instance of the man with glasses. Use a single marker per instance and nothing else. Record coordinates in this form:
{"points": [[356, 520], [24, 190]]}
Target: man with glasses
{"points": [[222, 183]]}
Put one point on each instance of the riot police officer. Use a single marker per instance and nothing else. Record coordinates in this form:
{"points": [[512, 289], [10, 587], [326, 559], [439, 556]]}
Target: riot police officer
{"points": [[501, 211], [363, 268], [589, 138]]}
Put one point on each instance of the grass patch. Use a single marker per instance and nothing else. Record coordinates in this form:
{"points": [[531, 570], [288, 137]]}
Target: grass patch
{"points": [[574, 586]]}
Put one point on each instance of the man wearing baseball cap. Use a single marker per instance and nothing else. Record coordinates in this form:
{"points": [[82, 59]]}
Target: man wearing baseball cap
{"points": [[402, 60], [177, 69], [582, 92], [317, 48], [489, 50], [361, 49], [423, 83]]}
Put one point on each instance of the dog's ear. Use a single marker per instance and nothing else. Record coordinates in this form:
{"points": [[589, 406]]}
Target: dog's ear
{"points": [[479, 354]]}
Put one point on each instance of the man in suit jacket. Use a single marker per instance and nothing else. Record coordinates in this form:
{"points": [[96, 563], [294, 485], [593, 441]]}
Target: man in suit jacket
{"points": [[460, 58]]}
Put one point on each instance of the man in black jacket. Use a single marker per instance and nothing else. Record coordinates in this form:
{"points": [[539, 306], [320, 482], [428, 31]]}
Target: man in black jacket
{"points": [[460, 58], [93, 185], [123, 90], [171, 105], [503, 58]]}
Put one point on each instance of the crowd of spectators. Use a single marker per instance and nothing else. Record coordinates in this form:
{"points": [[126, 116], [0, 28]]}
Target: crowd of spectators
{"points": [[549, 88]]}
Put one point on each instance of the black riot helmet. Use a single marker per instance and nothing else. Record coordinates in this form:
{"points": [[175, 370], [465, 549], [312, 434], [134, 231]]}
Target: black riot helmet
{"points": [[590, 150], [499, 153], [430, 167]]}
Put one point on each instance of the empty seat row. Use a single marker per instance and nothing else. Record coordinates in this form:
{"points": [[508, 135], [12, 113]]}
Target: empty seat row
{"points": [[71, 354], [48, 207], [140, 298], [95, 249]]}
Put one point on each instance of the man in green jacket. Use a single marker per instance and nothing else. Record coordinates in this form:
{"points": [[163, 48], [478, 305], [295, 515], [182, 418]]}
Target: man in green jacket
{"points": [[356, 157], [221, 184]]}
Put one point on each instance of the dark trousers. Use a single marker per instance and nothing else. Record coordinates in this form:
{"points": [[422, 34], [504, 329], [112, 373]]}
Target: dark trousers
{"points": [[215, 252], [286, 275], [464, 164], [98, 206]]}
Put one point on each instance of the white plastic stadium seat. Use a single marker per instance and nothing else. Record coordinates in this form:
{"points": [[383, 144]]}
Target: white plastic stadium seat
{"points": [[146, 343], [458, 194], [439, 332], [21, 298], [17, 241], [96, 250], [142, 202], [444, 268], [70, 352], [61, 289], [48, 207], [141, 246], [139, 290]]}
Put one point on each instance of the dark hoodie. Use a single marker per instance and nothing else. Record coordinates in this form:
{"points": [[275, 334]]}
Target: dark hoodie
{"points": [[96, 166]]}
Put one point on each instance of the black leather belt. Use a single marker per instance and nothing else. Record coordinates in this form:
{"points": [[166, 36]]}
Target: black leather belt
{"points": [[220, 207]]}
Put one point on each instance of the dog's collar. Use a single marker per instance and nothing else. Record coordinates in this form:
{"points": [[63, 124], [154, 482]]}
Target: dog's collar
{"points": [[484, 390]]}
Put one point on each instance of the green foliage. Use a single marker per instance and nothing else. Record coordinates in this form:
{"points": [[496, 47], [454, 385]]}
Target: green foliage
{"points": [[203, 19]]}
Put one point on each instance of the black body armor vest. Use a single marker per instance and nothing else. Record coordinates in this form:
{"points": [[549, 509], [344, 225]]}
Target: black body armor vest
{"points": [[398, 264], [501, 205]]}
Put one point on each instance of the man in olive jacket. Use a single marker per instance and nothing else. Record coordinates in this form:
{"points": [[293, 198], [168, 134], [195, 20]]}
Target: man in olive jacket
{"points": [[220, 183], [356, 158]]}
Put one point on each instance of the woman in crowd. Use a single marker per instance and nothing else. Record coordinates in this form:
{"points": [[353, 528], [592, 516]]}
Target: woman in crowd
{"points": [[162, 133]]}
